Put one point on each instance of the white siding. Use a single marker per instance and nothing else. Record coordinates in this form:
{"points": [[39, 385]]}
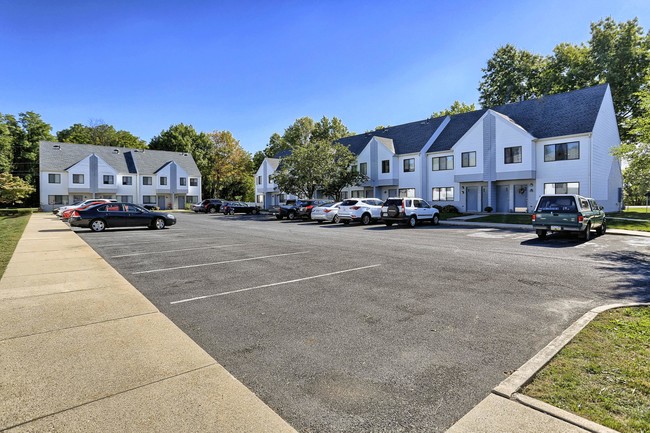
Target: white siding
{"points": [[576, 170], [411, 179], [509, 135]]}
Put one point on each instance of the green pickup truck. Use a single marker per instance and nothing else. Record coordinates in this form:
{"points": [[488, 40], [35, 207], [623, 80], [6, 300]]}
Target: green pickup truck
{"points": [[568, 213]]}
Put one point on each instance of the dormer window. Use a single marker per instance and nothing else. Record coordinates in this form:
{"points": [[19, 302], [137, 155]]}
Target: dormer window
{"points": [[163, 180]]}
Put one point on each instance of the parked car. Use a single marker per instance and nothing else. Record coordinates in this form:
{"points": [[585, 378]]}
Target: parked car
{"points": [[408, 211], [59, 211], [288, 209], [328, 212], [233, 207], [209, 205], [113, 215], [568, 213], [65, 216], [306, 207], [150, 207], [364, 210]]}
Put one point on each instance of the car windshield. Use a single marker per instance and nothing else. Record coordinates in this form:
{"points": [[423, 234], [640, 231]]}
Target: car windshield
{"points": [[326, 205], [557, 204], [393, 202], [349, 202]]}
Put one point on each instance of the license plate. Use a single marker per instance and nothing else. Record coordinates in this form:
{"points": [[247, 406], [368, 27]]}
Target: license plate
{"points": [[556, 228]]}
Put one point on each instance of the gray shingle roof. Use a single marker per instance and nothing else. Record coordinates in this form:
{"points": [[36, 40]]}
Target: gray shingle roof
{"points": [[458, 125], [147, 162], [407, 138]]}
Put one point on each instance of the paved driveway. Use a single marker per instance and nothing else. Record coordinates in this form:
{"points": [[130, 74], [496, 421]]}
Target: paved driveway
{"points": [[349, 328]]}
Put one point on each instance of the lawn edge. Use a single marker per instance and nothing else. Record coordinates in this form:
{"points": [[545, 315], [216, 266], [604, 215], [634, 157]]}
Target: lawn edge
{"points": [[509, 387]]}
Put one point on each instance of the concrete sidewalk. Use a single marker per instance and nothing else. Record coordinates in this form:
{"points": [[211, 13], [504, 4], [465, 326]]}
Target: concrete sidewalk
{"points": [[81, 350]]}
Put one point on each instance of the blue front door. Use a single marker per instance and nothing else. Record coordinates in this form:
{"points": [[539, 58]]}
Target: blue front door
{"points": [[471, 203]]}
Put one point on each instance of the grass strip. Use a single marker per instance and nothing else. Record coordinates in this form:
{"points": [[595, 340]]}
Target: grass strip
{"points": [[504, 219], [603, 374], [12, 226]]}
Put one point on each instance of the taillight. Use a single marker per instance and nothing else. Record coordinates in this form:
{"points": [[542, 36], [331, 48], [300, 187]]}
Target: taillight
{"points": [[580, 218], [534, 217], [355, 207], [403, 207], [75, 214]]}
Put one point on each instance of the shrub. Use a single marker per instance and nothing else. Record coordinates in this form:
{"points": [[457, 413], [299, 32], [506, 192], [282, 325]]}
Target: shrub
{"points": [[449, 209], [488, 209], [437, 206]]}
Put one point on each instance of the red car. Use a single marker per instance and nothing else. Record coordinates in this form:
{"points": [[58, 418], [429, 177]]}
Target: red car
{"points": [[65, 216]]}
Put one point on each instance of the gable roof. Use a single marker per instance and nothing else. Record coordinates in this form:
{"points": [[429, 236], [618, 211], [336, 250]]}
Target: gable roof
{"points": [[458, 125], [60, 156], [407, 138]]}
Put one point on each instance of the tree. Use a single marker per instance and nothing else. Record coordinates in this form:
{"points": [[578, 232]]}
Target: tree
{"points": [[100, 134], [14, 189], [6, 147], [304, 171], [303, 131], [258, 159], [275, 146], [338, 174], [230, 174], [456, 108]]}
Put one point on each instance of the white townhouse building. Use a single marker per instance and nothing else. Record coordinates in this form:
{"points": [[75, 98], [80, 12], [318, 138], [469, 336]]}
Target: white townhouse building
{"points": [[75, 172], [504, 157]]}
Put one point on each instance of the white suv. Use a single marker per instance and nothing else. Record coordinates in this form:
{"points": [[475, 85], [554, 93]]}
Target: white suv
{"points": [[364, 210], [409, 211]]}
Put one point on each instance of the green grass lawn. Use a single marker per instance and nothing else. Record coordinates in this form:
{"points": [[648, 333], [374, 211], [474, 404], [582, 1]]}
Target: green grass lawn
{"points": [[523, 218], [12, 226], [603, 374], [634, 213], [446, 216]]}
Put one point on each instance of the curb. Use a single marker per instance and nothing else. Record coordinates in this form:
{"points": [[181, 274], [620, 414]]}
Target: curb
{"points": [[509, 387], [525, 227]]}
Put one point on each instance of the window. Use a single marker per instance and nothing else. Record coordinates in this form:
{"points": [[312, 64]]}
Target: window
{"points": [[406, 192], [77, 178], [562, 188], [270, 179], [57, 199], [125, 198], [109, 179], [468, 159], [260, 198], [562, 151], [146, 180], [54, 178], [191, 199], [149, 199], [194, 181], [363, 168], [385, 166], [356, 194], [409, 165], [443, 194], [442, 163], [77, 198], [259, 180], [163, 180], [182, 181], [512, 155], [354, 169], [127, 180]]}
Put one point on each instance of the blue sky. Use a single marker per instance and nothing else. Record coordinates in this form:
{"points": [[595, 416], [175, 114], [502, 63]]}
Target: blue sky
{"points": [[253, 67]]}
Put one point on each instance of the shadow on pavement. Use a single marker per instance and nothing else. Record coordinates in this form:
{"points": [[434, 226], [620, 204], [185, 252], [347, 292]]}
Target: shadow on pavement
{"points": [[632, 272]]}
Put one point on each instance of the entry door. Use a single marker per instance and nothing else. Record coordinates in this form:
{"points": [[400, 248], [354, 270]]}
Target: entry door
{"points": [[502, 198], [521, 198], [181, 202], [161, 202], [471, 203]]}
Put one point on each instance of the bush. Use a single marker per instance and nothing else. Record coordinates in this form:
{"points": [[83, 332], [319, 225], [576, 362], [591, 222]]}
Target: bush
{"points": [[437, 206], [449, 209], [488, 209], [17, 211]]}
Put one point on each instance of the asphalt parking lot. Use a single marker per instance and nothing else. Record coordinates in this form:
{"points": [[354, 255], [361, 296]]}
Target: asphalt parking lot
{"points": [[350, 328]]}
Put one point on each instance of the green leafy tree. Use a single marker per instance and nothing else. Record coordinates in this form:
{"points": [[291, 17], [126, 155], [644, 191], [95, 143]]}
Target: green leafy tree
{"points": [[100, 134], [258, 159], [14, 189], [456, 108], [304, 171], [6, 147], [231, 174], [305, 130], [338, 173]]}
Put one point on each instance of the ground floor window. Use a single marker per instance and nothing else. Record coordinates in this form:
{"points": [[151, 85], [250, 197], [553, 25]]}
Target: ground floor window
{"points": [[149, 199], [57, 199], [105, 196], [125, 198], [443, 194], [407, 192], [77, 198], [344, 195], [260, 198], [356, 194], [562, 188], [191, 199]]}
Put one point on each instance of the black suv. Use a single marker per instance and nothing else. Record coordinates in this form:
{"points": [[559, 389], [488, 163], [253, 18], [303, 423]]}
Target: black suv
{"points": [[210, 205]]}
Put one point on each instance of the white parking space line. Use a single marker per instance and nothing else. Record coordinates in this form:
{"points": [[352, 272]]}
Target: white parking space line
{"points": [[219, 263], [176, 251], [273, 284]]}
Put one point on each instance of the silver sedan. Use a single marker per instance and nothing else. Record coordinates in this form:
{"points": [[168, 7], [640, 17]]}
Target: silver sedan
{"points": [[327, 212]]}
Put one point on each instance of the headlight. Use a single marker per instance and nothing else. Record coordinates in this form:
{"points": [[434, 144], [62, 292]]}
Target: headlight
{"points": [[170, 216]]}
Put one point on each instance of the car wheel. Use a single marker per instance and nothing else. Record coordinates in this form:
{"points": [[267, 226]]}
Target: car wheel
{"points": [[541, 234], [602, 229], [365, 219], [412, 221], [346, 222], [97, 225], [278, 217], [159, 224], [586, 235], [336, 219], [291, 215], [231, 212], [212, 209], [435, 220], [389, 224], [255, 211]]}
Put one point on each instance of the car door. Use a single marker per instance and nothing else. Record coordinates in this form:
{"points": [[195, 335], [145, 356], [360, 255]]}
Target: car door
{"points": [[114, 215], [425, 210], [138, 216], [375, 208], [599, 215]]}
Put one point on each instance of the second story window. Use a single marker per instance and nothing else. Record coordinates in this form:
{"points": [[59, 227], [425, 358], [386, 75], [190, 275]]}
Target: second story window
{"points": [[182, 181], [163, 180], [354, 168], [127, 180], [363, 168], [53, 178], [77, 178], [146, 180], [442, 163], [512, 155], [259, 180], [562, 151], [385, 166], [270, 179], [409, 165], [109, 179], [468, 159], [194, 181]]}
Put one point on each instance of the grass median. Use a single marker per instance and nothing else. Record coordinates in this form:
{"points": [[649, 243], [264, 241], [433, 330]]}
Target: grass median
{"points": [[603, 374], [12, 225], [621, 220]]}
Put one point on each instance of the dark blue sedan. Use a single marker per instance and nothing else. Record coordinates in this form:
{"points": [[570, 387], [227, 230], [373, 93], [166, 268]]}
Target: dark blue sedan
{"points": [[114, 215]]}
